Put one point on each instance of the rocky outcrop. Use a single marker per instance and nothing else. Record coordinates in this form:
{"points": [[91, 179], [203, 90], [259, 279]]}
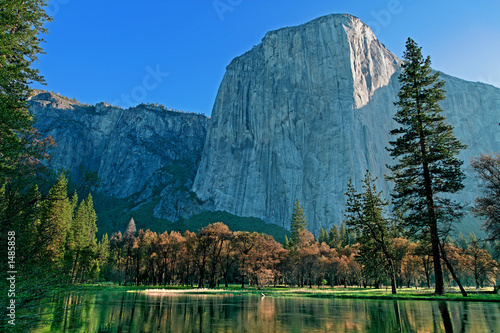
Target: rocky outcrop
{"points": [[138, 153], [311, 107]]}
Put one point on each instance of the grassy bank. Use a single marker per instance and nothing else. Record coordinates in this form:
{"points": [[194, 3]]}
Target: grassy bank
{"points": [[483, 295]]}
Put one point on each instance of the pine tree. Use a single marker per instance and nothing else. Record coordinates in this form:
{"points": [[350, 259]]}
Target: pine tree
{"points": [[425, 149], [344, 238], [365, 213], [323, 236], [334, 237], [488, 204], [103, 255], [83, 245], [55, 221], [298, 223], [131, 230], [21, 24], [462, 241], [286, 244], [129, 239]]}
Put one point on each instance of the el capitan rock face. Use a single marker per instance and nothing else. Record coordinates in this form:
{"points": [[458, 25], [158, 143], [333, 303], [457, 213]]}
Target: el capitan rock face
{"points": [[311, 107]]}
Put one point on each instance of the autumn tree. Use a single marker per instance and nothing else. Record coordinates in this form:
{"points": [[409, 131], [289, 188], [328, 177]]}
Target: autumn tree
{"points": [[262, 260], [412, 270], [229, 257], [209, 247], [303, 257], [151, 257], [482, 266], [244, 242], [219, 234], [488, 205], [189, 257], [308, 261], [425, 150]]}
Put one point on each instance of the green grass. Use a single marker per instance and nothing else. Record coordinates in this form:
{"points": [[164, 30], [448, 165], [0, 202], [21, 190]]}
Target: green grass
{"points": [[426, 294]]}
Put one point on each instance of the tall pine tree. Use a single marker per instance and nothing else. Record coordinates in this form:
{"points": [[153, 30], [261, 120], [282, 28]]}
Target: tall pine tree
{"points": [[82, 242], [298, 223], [425, 150], [55, 221]]}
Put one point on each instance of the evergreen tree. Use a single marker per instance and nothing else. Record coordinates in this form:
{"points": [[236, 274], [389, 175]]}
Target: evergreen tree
{"points": [[462, 241], [323, 236], [488, 204], [82, 250], [365, 213], [131, 229], [298, 223], [426, 150], [21, 24], [286, 245], [103, 256], [129, 240], [55, 221], [334, 237], [344, 236]]}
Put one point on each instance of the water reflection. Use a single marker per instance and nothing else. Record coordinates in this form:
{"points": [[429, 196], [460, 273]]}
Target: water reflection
{"points": [[139, 312]]}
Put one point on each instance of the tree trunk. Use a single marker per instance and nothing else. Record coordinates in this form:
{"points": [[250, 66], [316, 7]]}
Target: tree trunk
{"points": [[436, 255], [392, 271], [455, 277]]}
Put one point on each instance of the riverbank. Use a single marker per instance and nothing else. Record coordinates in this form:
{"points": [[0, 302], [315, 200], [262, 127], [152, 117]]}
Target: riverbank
{"points": [[483, 295]]}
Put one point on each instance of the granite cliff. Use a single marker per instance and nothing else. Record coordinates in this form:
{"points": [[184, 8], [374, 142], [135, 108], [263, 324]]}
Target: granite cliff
{"points": [[309, 108], [141, 153], [297, 116]]}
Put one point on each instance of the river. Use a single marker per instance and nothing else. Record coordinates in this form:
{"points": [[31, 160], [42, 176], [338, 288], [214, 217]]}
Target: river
{"points": [[142, 312]]}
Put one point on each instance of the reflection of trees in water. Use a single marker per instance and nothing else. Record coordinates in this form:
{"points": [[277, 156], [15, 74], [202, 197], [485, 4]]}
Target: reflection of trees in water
{"points": [[445, 314], [115, 312], [464, 316]]}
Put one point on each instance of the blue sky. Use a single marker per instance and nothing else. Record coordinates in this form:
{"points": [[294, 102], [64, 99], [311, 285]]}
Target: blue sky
{"points": [[175, 52]]}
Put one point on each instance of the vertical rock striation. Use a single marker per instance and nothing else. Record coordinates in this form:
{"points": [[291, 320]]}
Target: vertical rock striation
{"points": [[311, 107]]}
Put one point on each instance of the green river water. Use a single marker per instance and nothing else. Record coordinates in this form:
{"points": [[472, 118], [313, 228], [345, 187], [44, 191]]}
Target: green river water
{"points": [[141, 312]]}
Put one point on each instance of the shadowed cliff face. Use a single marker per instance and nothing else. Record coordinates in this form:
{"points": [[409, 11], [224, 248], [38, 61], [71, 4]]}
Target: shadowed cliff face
{"points": [[139, 153], [308, 109]]}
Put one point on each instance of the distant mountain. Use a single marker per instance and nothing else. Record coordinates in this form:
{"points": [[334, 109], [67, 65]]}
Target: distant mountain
{"points": [[143, 154], [311, 107]]}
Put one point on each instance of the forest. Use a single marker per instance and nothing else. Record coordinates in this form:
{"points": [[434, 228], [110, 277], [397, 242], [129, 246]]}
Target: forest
{"points": [[216, 256]]}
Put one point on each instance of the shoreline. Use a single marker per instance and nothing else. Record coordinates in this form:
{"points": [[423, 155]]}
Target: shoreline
{"points": [[424, 294]]}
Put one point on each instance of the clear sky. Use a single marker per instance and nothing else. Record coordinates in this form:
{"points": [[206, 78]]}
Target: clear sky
{"points": [[174, 52]]}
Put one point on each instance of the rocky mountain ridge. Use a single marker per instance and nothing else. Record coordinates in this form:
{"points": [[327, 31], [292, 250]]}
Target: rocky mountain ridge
{"points": [[140, 153]]}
